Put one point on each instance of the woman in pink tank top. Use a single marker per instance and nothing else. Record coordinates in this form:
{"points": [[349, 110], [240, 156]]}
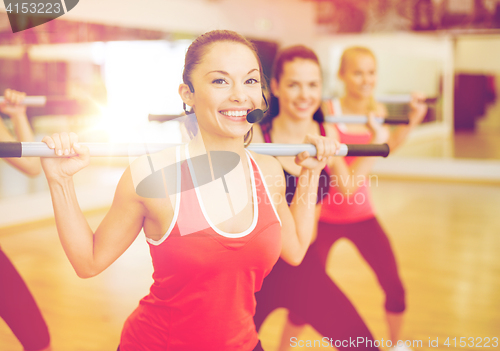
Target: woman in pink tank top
{"points": [[214, 232], [347, 211]]}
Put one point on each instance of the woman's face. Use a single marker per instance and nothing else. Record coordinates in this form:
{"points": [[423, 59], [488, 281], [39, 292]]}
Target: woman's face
{"points": [[360, 76], [299, 88], [226, 87]]}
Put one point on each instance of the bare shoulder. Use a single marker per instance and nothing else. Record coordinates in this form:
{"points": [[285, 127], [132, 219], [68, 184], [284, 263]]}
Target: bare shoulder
{"points": [[381, 110], [145, 167], [272, 172], [331, 131], [126, 188], [269, 165], [147, 164]]}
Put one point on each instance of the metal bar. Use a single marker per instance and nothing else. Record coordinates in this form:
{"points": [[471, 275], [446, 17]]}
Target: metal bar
{"points": [[31, 100], [401, 99], [347, 119], [360, 119], [40, 149]]}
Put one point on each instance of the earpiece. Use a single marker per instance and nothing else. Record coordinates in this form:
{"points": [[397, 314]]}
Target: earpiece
{"points": [[257, 115]]}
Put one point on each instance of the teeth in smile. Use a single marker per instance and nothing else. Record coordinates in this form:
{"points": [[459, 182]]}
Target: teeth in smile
{"points": [[234, 113]]}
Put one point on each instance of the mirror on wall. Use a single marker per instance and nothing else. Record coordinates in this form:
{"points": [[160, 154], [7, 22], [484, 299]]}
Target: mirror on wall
{"points": [[477, 97], [102, 83], [405, 63], [459, 71]]}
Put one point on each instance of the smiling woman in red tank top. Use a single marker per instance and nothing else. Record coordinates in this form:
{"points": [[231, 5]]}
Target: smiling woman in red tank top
{"points": [[211, 243]]}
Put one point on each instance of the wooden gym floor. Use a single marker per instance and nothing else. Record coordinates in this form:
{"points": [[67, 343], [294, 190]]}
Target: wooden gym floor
{"points": [[446, 237]]}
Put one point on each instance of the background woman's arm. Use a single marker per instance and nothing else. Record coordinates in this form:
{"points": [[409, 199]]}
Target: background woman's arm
{"points": [[22, 129], [298, 221], [418, 110], [348, 177]]}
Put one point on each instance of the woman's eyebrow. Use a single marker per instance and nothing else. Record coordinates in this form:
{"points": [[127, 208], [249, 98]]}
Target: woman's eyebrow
{"points": [[226, 74], [221, 72]]}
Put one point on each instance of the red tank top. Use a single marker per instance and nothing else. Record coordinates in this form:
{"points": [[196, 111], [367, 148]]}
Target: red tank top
{"points": [[337, 207], [202, 297]]}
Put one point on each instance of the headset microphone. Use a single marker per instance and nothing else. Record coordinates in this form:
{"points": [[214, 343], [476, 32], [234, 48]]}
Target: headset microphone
{"points": [[256, 115]]}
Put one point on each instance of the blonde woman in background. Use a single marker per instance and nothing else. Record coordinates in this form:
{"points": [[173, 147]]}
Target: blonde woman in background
{"points": [[354, 218]]}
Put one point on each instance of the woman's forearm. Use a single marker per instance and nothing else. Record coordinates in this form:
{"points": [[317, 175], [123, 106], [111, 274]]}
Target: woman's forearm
{"points": [[348, 178], [398, 136], [22, 127], [418, 111], [303, 210], [28, 165], [74, 232]]}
